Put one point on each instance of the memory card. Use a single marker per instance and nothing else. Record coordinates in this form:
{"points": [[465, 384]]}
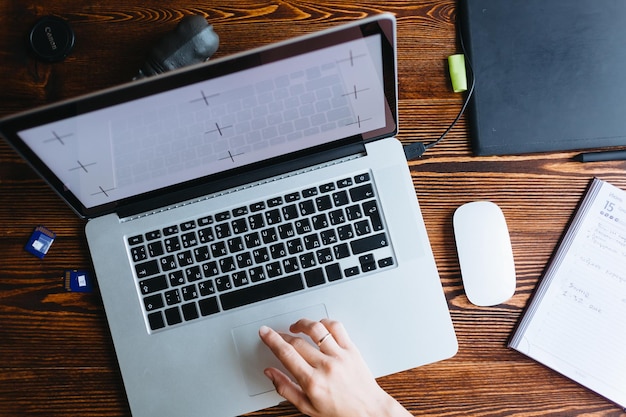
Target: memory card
{"points": [[40, 241]]}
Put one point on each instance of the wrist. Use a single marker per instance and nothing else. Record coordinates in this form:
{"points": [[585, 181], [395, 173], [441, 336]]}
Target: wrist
{"points": [[390, 407]]}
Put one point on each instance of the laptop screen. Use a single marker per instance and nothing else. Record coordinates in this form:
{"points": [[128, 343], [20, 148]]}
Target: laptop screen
{"points": [[216, 120]]}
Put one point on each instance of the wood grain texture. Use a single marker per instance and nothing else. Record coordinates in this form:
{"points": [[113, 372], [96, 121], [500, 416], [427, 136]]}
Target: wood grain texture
{"points": [[56, 354]]}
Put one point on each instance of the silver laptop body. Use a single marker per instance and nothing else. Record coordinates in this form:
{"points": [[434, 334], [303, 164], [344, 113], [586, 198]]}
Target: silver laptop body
{"points": [[217, 202]]}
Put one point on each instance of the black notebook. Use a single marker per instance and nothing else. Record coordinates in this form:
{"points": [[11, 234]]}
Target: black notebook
{"points": [[549, 74], [575, 322]]}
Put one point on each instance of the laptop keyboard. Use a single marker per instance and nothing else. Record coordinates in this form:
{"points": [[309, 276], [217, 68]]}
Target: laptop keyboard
{"points": [[287, 243]]}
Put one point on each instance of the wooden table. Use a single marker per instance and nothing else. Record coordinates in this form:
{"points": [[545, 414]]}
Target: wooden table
{"points": [[56, 354]]}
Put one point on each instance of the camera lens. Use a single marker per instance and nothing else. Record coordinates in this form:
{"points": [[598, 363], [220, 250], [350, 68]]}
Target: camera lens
{"points": [[51, 39]]}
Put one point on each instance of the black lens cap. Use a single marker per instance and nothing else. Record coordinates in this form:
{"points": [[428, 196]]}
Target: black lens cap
{"points": [[51, 39]]}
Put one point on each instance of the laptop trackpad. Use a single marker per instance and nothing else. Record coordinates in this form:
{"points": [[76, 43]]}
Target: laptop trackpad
{"points": [[254, 356]]}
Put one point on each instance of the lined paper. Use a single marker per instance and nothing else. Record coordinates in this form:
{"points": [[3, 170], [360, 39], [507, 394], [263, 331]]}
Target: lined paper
{"points": [[576, 322]]}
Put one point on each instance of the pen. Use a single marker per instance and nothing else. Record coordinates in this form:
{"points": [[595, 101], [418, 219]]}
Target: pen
{"points": [[601, 156]]}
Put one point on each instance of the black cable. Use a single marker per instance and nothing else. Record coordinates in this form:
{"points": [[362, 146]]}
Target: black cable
{"points": [[417, 149]]}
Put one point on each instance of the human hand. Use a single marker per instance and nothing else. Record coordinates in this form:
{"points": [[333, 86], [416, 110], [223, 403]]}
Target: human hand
{"points": [[332, 379]]}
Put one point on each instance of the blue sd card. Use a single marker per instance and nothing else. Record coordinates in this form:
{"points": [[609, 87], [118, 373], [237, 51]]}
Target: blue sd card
{"points": [[40, 241], [77, 280]]}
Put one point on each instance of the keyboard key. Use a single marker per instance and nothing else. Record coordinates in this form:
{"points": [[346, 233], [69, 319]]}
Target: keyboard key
{"points": [[307, 260], [201, 254], [369, 243], [323, 203], [290, 212], [257, 274], [314, 277], [294, 246], [352, 271], [220, 217], [362, 178], [218, 249], [367, 262], [311, 241], [256, 221], [286, 231], [290, 265], [272, 216], [244, 260], [345, 232], [188, 225], [383, 263], [184, 258], [155, 249], [193, 274], [354, 212], [273, 269], [235, 244], [176, 278], [206, 235], [189, 239], [172, 315], [223, 283], [190, 311], [189, 292], [273, 202], [153, 302], [155, 234], [362, 192], [336, 217], [362, 228], [340, 198], [240, 279], [341, 251], [227, 265], [292, 197], [208, 306], [346, 182], [170, 230], [205, 221], [168, 263], [252, 240], [239, 226], [320, 221], [309, 192], [210, 269], [303, 226], [240, 211], [269, 235], [135, 240], [222, 230], [333, 272], [206, 288], [370, 208], [146, 269], [139, 253], [156, 320], [257, 206], [172, 244], [261, 255], [306, 207], [324, 255], [278, 250], [263, 291], [326, 188], [172, 297]]}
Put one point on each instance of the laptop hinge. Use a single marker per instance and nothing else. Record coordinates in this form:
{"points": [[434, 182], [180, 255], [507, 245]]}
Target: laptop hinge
{"points": [[215, 184]]}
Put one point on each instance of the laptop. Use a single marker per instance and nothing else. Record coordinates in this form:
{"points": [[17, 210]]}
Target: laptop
{"points": [[256, 189], [547, 74]]}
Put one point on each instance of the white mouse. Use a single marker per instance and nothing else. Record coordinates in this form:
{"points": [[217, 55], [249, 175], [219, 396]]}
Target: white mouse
{"points": [[485, 254]]}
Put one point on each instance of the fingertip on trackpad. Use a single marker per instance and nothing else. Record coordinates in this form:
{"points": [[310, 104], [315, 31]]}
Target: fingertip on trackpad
{"points": [[255, 357]]}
